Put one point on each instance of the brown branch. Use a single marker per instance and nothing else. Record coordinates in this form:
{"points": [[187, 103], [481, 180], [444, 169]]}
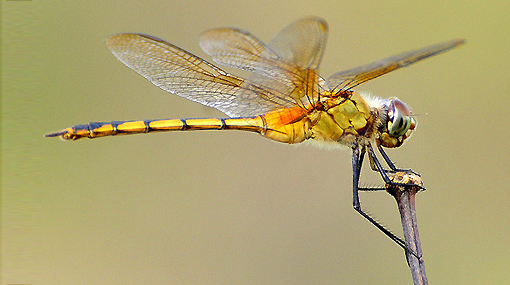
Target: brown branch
{"points": [[405, 194]]}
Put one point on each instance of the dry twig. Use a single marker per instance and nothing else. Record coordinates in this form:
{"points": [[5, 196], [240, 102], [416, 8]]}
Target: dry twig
{"points": [[405, 192]]}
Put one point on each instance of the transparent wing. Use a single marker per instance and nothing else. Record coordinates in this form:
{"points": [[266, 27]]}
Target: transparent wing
{"points": [[302, 42], [351, 78], [239, 49], [182, 73], [288, 64]]}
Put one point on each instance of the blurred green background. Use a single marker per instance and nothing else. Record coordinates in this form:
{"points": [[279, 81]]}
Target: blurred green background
{"points": [[233, 207]]}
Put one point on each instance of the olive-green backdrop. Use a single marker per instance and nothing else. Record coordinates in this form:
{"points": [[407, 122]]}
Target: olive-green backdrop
{"points": [[232, 207]]}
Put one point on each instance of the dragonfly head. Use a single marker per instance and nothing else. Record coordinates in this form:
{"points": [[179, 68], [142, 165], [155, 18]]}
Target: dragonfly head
{"points": [[398, 123]]}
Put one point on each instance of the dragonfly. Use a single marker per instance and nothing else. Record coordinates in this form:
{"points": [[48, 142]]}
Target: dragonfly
{"points": [[284, 98]]}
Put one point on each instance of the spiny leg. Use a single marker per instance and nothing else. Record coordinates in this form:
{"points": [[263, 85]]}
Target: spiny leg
{"points": [[374, 162], [357, 160], [390, 163], [374, 167]]}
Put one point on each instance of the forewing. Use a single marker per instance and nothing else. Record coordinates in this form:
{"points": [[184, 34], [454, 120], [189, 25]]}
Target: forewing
{"points": [[182, 73], [351, 78]]}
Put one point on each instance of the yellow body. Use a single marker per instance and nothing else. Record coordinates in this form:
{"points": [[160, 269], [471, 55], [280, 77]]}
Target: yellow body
{"points": [[339, 119]]}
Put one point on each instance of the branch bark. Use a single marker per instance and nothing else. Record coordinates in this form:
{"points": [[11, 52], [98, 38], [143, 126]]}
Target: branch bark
{"points": [[405, 193]]}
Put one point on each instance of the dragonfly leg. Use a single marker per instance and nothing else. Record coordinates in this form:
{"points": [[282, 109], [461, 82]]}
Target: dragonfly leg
{"points": [[361, 157], [383, 172], [390, 163], [357, 160]]}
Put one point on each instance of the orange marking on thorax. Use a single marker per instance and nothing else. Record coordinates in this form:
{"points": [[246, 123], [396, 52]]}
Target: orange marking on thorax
{"points": [[286, 125], [282, 117]]}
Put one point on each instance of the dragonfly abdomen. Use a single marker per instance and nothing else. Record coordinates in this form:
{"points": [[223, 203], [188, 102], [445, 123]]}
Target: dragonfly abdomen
{"points": [[102, 129]]}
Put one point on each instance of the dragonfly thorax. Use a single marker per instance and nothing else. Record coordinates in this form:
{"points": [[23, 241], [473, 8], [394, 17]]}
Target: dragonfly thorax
{"points": [[344, 118]]}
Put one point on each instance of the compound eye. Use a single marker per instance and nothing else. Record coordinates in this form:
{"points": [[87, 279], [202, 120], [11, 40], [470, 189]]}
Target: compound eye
{"points": [[399, 119]]}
